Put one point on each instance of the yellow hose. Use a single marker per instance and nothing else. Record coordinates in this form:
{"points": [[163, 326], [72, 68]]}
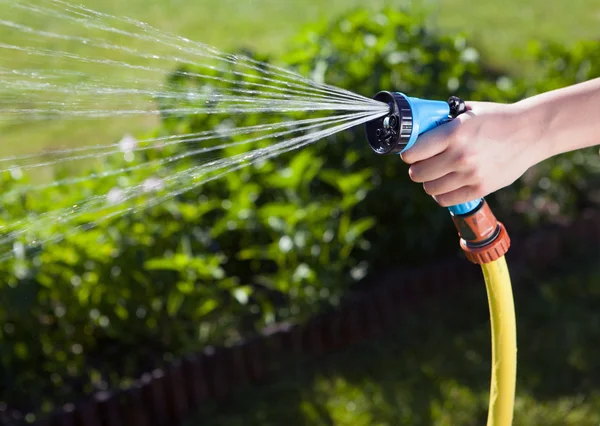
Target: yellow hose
{"points": [[504, 343]]}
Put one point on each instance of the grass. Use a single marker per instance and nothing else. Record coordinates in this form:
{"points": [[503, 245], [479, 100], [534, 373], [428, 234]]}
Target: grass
{"points": [[434, 369], [266, 26]]}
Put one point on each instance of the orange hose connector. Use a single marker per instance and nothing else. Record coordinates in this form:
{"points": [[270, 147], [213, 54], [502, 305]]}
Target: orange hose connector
{"points": [[482, 237]]}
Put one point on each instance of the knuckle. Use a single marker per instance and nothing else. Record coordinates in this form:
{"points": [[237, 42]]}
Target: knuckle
{"points": [[464, 159], [457, 135], [476, 176]]}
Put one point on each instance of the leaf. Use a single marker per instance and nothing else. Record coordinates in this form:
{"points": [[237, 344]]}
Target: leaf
{"points": [[346, 183], [268, 252], [358, 228], [174, 302], [185, 287], [282, 210], [206, 307], [121, 312], [176, 263]]}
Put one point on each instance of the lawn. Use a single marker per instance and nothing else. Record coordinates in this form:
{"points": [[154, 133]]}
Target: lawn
{"points": [[433, 370], [267, 26]]}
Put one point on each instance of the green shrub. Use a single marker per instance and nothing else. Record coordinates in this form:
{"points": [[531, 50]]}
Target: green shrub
{"points": [[569, 183], [272, 242]]}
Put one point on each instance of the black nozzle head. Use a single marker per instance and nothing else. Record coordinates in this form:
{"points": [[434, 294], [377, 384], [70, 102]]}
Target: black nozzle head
{"points": [[390, 134]]}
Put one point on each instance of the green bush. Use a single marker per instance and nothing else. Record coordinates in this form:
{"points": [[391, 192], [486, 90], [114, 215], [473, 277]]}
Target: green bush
{"points": [[272, 242], [567, 184]]}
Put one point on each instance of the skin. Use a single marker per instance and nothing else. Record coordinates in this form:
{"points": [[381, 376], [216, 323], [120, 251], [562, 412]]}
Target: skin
{"points": [[492, 145]]}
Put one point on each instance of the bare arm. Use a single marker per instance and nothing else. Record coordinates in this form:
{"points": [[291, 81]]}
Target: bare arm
{"points": [[568, 118], [492, 145]]}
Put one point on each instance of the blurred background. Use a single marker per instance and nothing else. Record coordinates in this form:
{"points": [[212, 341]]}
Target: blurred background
{"points": [[283, 242]]}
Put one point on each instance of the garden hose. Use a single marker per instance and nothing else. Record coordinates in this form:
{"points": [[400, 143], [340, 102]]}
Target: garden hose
{"points": [[483, 239], [504, 342]]}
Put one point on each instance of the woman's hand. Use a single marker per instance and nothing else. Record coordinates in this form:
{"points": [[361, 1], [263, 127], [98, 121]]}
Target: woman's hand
{"points": [[485, 149]]}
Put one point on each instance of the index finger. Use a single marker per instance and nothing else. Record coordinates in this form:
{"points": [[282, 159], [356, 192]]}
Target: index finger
{"points": [[429, 144]]}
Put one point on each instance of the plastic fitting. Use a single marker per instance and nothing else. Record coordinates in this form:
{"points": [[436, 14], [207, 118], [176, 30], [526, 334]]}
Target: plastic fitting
{"points": [[482, 237]]}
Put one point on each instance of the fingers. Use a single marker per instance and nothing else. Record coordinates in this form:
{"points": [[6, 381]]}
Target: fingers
{"points": [[431, 169], [429, 144], [442, 161], [448, 183], [459, 196]]}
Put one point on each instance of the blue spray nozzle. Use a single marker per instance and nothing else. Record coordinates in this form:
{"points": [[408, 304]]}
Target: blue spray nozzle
{"points": [[426, 115], [407, 119]]}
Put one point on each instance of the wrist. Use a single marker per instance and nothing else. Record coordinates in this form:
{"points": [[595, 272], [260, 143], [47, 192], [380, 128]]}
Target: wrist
{"points": [[536, 138]]}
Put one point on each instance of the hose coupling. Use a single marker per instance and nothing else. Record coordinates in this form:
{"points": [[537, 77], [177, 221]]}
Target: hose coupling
{"points": [[482, 237]]}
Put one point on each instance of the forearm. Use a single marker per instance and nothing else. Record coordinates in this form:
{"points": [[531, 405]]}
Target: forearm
{"points": [[563, 120]]}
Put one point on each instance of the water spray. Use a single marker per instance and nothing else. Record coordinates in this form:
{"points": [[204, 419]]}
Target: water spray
{"points": [[483, 239]]}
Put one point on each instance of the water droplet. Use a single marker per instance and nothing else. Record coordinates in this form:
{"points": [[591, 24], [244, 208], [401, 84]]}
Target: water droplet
{"points": [[153, 184], [128, 143], [19, 250], [16, 173], [115, 196]]}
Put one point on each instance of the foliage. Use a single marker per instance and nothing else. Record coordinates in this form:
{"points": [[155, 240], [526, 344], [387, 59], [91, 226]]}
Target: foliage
{"points": [[271, 242], [568, 183]]}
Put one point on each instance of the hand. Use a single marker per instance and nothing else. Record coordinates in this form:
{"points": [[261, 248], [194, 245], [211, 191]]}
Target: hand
{"points": [[485, 149]]}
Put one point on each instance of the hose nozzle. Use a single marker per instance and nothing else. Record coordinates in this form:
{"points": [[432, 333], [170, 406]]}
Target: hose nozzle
{"points": [[407, 119], [390, 134]]}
